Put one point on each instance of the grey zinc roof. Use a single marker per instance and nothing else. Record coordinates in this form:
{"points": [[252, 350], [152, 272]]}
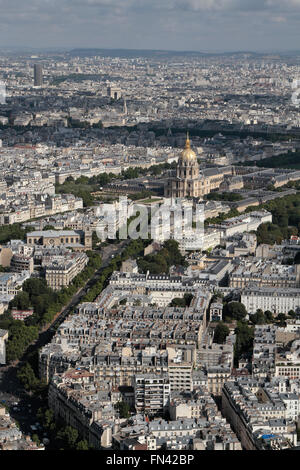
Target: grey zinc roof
{"points": [[52, 233]]}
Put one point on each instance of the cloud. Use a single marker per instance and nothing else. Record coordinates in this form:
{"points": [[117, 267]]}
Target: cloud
{"points": [[193, 24]]}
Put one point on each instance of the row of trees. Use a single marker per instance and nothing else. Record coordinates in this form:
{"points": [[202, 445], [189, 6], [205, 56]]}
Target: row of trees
{"points": [[191, 125], [286, 220], [232, 197], [221, 217], [19, 338], [285, 160], [154, 170], [13, 232], [30, 381], [237, 311], [46, 304], [285, 212], [77, 124], [132, 250], [62, 436]]}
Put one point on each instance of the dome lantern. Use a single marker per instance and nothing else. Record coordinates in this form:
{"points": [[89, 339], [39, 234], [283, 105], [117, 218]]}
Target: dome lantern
{"points": [[188, 155]]}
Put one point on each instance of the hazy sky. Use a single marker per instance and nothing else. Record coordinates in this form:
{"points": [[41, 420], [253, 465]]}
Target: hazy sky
{"points": [[205, 25]]}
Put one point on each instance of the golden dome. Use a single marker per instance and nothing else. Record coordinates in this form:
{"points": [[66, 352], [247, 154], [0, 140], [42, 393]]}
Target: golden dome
{"points": [[188, 154]]}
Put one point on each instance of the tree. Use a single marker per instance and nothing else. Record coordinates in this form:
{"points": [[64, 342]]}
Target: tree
{"points": [[98, 125], [20, 336], [162, 261], [177, 302], [35, 439], [68, 436], [188, 299], [35, 286], [123, 409], [244, 340], [221, 333], [258, 318], [235, 310], [21, 301], [27, 376], [46, 417], [281, 319], [182, 302], [269, 316], [82, 445]]}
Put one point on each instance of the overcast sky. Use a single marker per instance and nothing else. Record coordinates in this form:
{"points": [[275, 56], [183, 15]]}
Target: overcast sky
{"points": [[202, 25]]}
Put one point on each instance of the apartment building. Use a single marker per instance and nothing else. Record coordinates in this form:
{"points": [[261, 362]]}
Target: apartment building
{"points": [[264, 350], [61, 270], [211, 355], [243, 223], [287, 361], [249, 410], [11, 283], [274, 299], [151, 393], [217, 376], [265, 273], [180, 376], [20, 262]]}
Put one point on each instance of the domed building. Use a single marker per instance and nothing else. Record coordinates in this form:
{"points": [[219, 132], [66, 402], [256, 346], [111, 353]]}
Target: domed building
{"points": [[189, 182]]}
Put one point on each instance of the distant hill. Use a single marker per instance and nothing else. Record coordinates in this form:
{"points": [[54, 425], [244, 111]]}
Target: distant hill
{"points": [[131, 53], [146, 53]]}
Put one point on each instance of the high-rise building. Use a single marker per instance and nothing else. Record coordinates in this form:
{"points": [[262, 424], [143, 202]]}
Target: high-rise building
{"points": [[38, 75]]}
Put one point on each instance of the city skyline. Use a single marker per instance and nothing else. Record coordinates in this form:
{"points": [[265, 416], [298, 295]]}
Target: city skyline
{"points": [[150, 227]]}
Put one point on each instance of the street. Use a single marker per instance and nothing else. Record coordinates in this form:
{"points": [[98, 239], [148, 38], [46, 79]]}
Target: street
{"points": [[22, 406]]}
